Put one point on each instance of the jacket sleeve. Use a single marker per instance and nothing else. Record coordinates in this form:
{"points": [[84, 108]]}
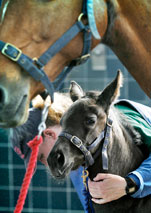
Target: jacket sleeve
{"points": [[142, 177], [20, 136]]}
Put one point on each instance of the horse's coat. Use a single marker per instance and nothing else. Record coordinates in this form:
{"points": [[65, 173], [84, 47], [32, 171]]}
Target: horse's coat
{"points": [[86, 119], [33, 25]]}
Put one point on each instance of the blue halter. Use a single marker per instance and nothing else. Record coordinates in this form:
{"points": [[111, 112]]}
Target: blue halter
{"points": [[34, 67]]}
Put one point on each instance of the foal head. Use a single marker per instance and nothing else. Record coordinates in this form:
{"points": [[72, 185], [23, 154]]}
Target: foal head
{"points": [[85, 119]]}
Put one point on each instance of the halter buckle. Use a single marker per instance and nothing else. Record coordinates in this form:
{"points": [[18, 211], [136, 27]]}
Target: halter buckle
{"points": [[81, 60], [13, 53], [77, 143]]}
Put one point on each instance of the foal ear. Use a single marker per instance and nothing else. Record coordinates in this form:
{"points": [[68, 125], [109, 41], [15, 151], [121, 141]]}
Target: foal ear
{"points": [[75, 91], [111, 92]]}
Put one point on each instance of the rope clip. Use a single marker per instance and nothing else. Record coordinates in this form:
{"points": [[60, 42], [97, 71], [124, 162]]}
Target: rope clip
{"points": [[42, 125], [85, 174]]}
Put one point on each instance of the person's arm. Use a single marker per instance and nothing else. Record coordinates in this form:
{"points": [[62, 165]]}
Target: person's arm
{"points": [[20, 136], [108, 187], [142, 177]]}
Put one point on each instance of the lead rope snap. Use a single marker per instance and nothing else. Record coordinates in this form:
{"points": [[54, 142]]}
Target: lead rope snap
{"points": [[87, 198], [85, 174]]}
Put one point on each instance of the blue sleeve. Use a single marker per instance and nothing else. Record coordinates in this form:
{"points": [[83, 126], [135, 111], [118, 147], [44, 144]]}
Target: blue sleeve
{"points": [[142, 177], [76, 179], [20, 136]]}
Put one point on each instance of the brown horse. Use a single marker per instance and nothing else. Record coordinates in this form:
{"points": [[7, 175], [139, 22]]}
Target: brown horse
{"points": [[34, 25]]}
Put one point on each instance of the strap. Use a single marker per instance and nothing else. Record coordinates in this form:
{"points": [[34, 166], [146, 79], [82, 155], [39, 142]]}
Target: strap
{"points": [[97, 141], [84, 8], [16, 55], [106, 136], [61, 42], [91, 18], [79, 144], [85, 55], [105, 145], [61, 77]]}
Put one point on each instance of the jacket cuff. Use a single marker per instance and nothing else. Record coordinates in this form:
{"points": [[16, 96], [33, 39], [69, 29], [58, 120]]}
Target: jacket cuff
{"points": [[136, 176]]}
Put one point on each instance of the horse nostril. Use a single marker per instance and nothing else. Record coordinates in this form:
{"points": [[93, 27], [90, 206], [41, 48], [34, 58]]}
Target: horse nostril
{"points": [[2, 97], [60, 159]]}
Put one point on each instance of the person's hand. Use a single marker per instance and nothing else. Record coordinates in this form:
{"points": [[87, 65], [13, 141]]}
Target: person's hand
{"points": [[106, 187]]}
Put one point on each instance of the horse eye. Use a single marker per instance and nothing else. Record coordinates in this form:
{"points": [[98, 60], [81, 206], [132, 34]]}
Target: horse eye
{"points": [[90, 120]]}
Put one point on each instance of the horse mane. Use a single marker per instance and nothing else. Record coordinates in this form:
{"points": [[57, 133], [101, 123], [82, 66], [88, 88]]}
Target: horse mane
{"points": [[127, 141]]}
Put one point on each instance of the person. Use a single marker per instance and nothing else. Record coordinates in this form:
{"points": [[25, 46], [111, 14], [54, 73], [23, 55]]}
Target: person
{"points": [[102, 188]]}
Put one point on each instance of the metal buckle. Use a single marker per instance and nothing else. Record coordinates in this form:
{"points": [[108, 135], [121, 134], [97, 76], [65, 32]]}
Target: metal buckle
{"points": [[42, 125], [81, 59], [84, 57], [109, 122], [80, 16], [75, 143], [16, 56]]}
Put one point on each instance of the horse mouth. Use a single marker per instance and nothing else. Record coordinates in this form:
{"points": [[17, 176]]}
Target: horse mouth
{"points": [[61, 174], [21, 104], [12, 118]]}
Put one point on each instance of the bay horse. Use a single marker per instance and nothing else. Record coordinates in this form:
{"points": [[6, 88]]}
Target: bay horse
{"points": [[29, 27], [80, 143]]}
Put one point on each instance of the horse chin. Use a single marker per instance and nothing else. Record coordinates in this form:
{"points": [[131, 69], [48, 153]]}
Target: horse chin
{"points": [[16, 117], [61, 174]]}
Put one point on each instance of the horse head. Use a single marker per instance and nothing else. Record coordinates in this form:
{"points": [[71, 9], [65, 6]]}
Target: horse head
{"points": [[32, 26], [82, 124]]}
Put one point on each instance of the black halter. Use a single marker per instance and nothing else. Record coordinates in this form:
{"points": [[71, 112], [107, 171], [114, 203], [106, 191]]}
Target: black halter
{"points": [[89, 159], [35, 66]]}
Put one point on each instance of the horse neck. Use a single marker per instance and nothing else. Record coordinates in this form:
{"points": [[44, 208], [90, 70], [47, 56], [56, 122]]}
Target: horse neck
{"points": [[123, 155], [129, 37]]}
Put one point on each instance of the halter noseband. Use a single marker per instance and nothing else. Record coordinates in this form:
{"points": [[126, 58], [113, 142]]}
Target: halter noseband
{"points": [[89, 159], [35, 66]]}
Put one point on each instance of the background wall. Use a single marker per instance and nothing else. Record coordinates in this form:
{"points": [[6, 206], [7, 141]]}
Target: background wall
{"points": [[45, 195]]}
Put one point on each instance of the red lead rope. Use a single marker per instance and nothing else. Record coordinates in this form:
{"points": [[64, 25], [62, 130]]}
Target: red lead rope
{"points": [[34, 145]]}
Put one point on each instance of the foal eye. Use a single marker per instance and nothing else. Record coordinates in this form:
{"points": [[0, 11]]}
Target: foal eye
{"points": [[90, 120]]}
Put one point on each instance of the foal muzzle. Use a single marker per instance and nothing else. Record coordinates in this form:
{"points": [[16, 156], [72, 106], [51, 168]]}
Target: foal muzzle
{"points": [[79, 144]]}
